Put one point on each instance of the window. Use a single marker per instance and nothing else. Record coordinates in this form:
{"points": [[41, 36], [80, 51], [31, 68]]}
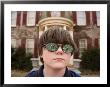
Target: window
{"points": [[18, 44], [31, 18], [82, 46], [98, 18], [81, 18], [13, 18], [13, 43], [55, 13], [29, 45]]}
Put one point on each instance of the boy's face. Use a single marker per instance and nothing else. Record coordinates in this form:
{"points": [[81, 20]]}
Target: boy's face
{"points": [[57, 59]]}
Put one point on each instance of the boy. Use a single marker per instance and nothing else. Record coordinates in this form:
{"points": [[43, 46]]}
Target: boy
{"points": [[55, 50]]}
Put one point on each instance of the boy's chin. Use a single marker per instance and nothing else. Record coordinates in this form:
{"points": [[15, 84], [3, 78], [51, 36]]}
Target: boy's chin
{"points": [[59, 66]]}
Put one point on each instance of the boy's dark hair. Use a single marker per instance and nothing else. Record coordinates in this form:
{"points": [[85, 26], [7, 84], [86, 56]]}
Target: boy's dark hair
{"points": [[59, 36]]}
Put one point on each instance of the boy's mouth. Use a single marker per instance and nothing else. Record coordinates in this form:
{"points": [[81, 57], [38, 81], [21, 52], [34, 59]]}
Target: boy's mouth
{"points": [[58, 59]]}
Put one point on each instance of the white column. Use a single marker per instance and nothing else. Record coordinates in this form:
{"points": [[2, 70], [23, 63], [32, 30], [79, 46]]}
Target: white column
{"points": [[64, 27], [46, 28], [71, 33], [40, 33]]}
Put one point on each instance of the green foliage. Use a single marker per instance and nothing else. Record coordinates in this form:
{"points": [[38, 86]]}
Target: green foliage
{"points": [[91, 59], [20, 60]]}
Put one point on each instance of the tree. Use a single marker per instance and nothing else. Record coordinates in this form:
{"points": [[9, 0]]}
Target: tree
{"points": [[91, 59], [21, 60]]}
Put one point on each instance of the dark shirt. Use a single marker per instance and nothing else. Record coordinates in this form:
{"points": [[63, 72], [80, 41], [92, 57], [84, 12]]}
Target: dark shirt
{"points": [[39, 73]]}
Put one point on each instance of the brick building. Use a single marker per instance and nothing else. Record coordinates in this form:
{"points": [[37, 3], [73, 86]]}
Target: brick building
{"points": [[27, 26]]}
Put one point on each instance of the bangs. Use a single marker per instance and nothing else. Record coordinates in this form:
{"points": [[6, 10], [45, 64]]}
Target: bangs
{"points": [[60, 36]]}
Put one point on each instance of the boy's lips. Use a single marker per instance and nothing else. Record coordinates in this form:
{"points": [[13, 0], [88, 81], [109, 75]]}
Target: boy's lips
{"points": [[58, 59]]}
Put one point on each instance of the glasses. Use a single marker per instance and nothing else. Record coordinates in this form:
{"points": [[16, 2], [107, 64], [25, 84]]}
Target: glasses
{"points": [[67, 48]]}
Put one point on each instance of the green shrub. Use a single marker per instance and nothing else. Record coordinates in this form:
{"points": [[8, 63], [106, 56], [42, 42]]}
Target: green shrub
{"points": [[20, 60], [91, 59]]}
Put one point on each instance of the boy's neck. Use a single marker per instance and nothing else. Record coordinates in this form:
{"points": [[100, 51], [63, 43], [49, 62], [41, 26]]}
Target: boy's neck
{"points": [[49, 72]]}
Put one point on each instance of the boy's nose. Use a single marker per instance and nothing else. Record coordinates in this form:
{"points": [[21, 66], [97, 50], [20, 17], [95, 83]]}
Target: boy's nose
{"points": [[59, 51]]}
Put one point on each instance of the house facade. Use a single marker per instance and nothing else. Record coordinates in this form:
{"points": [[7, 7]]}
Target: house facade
{"points": [[27, 26]]}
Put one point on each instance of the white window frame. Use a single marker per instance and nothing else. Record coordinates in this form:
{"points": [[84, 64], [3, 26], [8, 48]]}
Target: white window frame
{"points": [[29, 45], [81, 18], [98, 17], [81, 49], [31, 16], [13, 18], [55, 13], [14, 43]]}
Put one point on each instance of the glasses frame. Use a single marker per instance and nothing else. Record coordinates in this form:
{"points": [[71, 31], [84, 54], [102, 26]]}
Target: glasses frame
{"points": [[59, 45]]}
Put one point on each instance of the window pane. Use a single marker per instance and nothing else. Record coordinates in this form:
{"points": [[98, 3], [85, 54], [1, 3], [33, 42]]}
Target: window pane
{"points": [[13, 18], [82, 46], [82, 43], [31, 18], [13, 43], [30, 45], [29, 50], [81, 18]]}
